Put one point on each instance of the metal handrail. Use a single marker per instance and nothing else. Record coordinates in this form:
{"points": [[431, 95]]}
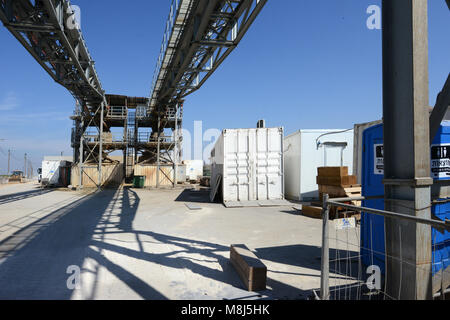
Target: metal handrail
{"points": [[338, 202], [171, 20]]}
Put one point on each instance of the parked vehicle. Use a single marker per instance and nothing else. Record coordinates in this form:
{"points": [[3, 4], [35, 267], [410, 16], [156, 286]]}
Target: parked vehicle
{"points": [[16, 176], [55, 172]]}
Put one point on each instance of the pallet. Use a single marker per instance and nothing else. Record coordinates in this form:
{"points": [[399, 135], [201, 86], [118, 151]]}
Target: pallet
{"points": [[337, 183], [352, 191], [315, 212], [251, 270]]}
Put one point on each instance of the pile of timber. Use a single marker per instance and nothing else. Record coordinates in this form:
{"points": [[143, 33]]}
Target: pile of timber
{"points": [[337, 183]]}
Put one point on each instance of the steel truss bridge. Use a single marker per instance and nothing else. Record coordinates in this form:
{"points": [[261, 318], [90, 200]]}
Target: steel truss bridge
{"points": [[198, 37]]}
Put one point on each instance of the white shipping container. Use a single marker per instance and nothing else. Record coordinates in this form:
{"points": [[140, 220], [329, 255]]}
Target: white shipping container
{"points": [[249, 165], [194, 169], [307, 150]]}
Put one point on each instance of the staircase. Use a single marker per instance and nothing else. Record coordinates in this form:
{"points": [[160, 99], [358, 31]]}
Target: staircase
{"points": [[130, 151]]}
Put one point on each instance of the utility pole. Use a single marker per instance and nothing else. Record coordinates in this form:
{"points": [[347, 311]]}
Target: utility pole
{"points": [[25, 165], [9, 161], [9, 155], [30, 171]]}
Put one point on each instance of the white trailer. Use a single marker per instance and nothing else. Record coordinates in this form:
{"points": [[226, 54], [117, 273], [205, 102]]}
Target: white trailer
{"points": [[51, 169], [247, 167], [307, 150], [194, 169]]}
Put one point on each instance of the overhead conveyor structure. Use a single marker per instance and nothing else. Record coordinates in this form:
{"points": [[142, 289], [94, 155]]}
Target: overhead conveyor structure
{"points": [[48, 30], [199, 35]]}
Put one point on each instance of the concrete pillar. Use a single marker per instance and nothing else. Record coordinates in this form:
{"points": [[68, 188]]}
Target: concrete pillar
{"points": [[407, 147]]}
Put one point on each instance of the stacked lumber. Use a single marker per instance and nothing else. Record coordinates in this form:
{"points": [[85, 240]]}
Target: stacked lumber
{"points": [[337, 183], [251, 270]]}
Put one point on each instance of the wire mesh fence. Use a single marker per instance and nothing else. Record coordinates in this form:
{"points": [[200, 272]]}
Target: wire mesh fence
{"points": [[359, 262]]}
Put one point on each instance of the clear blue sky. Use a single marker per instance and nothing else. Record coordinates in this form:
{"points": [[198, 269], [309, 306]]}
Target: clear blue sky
{"points": [[304, 64]]}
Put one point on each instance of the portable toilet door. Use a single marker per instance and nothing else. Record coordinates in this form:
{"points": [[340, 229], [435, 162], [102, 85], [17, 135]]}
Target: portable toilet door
{"points": [[440, 171], [372, 226]]}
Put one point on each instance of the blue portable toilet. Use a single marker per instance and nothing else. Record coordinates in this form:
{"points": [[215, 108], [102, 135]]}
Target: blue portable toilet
{"points": [[372, 226]]}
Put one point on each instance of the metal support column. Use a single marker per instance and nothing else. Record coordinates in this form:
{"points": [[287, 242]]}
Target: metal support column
{"points": [[175, 153], [407, 147], [100, 153], [81, 157], [158, 161]]}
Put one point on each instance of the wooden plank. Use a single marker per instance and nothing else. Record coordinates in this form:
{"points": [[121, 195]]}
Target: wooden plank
{"points": [[312, 212], [251, 270], [337, 181], [315, 212], [332, 171], [353, 189], [112, 175], [339, 191]]}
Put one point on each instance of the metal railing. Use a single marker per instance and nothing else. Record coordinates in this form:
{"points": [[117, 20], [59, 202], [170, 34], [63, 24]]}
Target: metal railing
{"points": [[115, 112], [146, 137], [344, 240], [172, 34], [108, 138]]}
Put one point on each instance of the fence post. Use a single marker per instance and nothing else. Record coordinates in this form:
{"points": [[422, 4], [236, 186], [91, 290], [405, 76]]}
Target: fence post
{"points": [[325, 267]]}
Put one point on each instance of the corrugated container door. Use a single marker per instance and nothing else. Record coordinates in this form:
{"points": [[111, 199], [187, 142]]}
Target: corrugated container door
{"points": [[236, 178], [269, 165]]}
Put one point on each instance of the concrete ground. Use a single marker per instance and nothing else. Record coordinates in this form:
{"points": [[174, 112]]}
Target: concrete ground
{"points": [[147, 244]]}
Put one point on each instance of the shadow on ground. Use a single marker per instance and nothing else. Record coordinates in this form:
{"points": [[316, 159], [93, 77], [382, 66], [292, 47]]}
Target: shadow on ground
{"points": [[23, 195], [34, 261], [194, 196]]}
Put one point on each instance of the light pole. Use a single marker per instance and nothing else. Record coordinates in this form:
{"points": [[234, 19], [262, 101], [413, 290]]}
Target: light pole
{"points": [[25, 165], [9, 156]]}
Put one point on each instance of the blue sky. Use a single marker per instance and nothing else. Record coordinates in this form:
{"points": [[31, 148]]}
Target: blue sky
{"points": [[302, 65]]}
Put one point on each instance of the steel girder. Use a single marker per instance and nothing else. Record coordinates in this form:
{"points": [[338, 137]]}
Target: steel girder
{"points": [[48, 31], [200, 34], [440, 109], [45, 29]]}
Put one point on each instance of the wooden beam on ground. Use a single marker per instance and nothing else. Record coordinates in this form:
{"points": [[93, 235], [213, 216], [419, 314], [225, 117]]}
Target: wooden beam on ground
{"points": [[251, 270]]}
